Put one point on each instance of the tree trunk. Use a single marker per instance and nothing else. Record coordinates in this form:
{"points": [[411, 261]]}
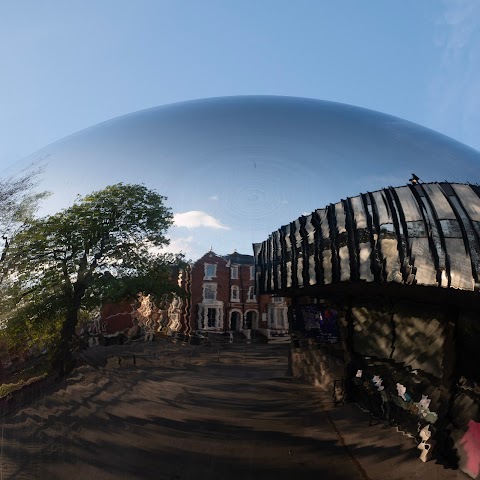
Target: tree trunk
{"points": [[63, 360]]}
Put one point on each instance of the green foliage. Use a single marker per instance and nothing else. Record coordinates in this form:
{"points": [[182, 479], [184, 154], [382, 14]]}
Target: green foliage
{"points": [[30, 377], [101, 249], [18, 205]]}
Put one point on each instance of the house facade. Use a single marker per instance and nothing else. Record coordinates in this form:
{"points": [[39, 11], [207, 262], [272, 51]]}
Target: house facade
{"points": [[220, 297], [223, 297]]}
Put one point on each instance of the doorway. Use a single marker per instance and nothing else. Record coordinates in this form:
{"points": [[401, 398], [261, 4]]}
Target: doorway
{"points": [[235, 321]]}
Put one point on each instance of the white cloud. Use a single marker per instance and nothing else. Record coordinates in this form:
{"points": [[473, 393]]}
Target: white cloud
{"points": [[195, 219], [213, 197]]}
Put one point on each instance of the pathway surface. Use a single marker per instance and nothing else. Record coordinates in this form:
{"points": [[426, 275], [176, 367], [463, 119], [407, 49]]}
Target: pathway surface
{"points": [[163, 411]]}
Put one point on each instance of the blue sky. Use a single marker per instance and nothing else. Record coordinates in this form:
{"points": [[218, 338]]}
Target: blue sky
{"points": [[69, 65]]}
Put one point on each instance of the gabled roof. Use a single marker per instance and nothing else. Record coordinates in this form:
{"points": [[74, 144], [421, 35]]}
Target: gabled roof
{"points": [[209, 255], [240, 259], [234, 258]]}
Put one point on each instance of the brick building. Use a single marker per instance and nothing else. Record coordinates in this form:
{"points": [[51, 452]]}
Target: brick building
{"points": [[223, 298], [220, 297]]}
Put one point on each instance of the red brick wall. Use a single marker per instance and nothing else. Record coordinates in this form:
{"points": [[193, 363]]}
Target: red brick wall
{"points": [[264, 301], [221, 279], [117, 317]]}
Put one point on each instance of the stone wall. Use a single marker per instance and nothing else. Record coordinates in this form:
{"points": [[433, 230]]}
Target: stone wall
{"points": [[320, 365]]}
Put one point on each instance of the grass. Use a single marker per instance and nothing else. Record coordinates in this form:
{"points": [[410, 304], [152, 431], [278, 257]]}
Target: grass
{"points": [[25, 377]]}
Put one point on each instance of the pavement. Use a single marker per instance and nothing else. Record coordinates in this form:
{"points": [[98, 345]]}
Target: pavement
{"points": [[166, 411]]}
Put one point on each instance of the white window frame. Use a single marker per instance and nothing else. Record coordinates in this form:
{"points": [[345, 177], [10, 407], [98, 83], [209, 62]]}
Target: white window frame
{"points": [[277, 299], [209, 277], [234, 288], [215, 319], [213, 288], [251, 297], [234, 272], [203, 316], [252, 272]]}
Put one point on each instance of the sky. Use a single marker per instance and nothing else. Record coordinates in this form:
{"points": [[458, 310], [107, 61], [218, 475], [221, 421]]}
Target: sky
{"points": [[69, 65]]}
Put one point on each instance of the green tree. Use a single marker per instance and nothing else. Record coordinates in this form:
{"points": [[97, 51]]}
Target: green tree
{"points": [[104, 248], [18, 205]]}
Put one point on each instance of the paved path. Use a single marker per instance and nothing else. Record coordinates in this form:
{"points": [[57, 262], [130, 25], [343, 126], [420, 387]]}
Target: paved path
{"points": [[199, 413]]}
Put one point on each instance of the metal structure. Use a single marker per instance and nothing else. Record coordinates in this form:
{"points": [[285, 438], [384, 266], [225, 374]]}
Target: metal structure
{"points": [[419, 234]]}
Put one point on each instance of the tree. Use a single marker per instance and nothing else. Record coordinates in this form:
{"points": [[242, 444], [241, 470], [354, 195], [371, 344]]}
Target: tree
{"points": [[103, 248], [18, 204]]}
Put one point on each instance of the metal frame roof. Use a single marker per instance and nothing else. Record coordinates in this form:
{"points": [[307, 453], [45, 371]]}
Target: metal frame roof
{"points": [[419, 234]]}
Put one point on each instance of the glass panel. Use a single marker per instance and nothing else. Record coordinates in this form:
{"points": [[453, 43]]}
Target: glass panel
{"points": [[359, 212], [389, 249], [442, 207], [344, 264], [365, 264], [278, 244], [297, 233], [311, 271], [460, 266], [435, 234], [387, 229], [288, 242], [382, 209], [289, 274], [416, 229], [322, 215], [270, 249], [340, 217], [409, 204], [300, 272], [327, 266], [310, 229], [426, 273], [474, 246], [451, 229], [469, 199], [279, 276]]}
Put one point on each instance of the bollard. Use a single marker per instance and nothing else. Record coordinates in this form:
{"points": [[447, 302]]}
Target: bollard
{"points": [[218, 354]]}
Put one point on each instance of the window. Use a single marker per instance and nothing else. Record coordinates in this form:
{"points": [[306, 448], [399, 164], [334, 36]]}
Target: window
{"points": [[210, 271], [234, 293], [211, 317], [277, 299], [251, 294], [234, 272], [210, 291], [252, 272]]}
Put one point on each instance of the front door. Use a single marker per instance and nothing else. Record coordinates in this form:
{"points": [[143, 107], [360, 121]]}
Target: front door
{"points": [[235, 321], [250, 320]]}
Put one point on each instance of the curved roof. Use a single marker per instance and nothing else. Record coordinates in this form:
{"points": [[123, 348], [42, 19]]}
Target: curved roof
{"points": [[420, 234]]}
